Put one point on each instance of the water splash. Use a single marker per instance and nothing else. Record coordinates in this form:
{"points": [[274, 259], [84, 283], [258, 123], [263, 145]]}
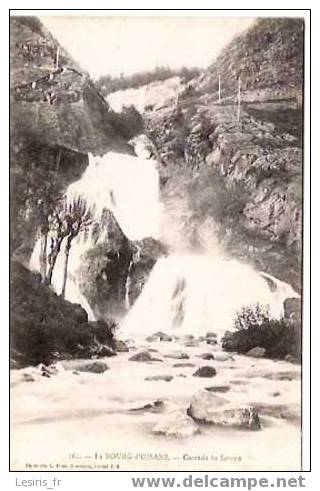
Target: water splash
{"points": [[194, 294], [126, 185]]}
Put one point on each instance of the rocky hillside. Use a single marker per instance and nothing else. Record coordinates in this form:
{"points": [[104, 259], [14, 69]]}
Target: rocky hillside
{"points": [[239, 180], [268, 58], [57, 117]]}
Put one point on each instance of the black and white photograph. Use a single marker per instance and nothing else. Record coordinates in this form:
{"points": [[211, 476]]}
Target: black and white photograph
{"points": [[156, 241]]}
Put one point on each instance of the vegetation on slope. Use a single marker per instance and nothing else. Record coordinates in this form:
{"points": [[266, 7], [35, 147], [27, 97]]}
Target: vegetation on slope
{"points": [[108, 84]]}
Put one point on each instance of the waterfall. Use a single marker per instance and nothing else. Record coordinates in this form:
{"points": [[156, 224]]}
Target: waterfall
{"points": [[127, 288], [126, 185], [185, 292], [194, 294]]}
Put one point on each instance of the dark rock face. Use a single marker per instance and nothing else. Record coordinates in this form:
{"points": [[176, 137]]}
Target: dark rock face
{"points": [[114, 270], [54, 97], [104, 268], [145, 254], [45, 328]]}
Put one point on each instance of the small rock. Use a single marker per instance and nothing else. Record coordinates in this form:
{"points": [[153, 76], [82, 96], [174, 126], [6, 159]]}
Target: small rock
{"points": [[210, 335], [104, 351], [159, 336], [283, 376], [157, 378], [212, 341], [177, 424], [141, 356], [120, 346], [205, 372], [293, 359], [153, 407], [177, 355], [220, 356], [192, 343], [207, 356], [257, 352], [238, 382], [218, 388], [183, 365], [47, 371], [97, 366]]}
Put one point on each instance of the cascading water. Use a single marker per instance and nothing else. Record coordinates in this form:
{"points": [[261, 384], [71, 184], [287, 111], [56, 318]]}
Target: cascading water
{"points": [[194, 294], [186, 292], [124, 184]]}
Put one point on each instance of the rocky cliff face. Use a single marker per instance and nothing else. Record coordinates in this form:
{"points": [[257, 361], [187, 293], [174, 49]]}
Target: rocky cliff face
{"points": [[57, 117], [240, 178]]}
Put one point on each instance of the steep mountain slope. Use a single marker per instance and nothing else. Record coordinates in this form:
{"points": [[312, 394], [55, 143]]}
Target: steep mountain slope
{"points": [[239, 179], [57, 117], [268, 58]]}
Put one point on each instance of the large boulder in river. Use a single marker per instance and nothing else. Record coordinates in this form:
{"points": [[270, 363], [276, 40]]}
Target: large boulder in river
{"points": [[177, 424], [206, 407]]}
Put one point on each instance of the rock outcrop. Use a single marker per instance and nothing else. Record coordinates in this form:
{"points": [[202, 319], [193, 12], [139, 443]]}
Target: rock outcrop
{"points": [[44, 327]]}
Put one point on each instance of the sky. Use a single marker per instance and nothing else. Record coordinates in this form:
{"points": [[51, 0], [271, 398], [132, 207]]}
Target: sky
{"points": [[114, 45]]}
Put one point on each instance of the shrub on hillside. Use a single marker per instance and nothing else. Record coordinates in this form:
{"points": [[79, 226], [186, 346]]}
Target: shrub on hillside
{"points": [[254, 326], [128, 123]]}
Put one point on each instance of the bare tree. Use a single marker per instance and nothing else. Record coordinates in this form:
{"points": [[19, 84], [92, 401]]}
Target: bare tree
{"points": [[58, 231], [77, 218]]}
